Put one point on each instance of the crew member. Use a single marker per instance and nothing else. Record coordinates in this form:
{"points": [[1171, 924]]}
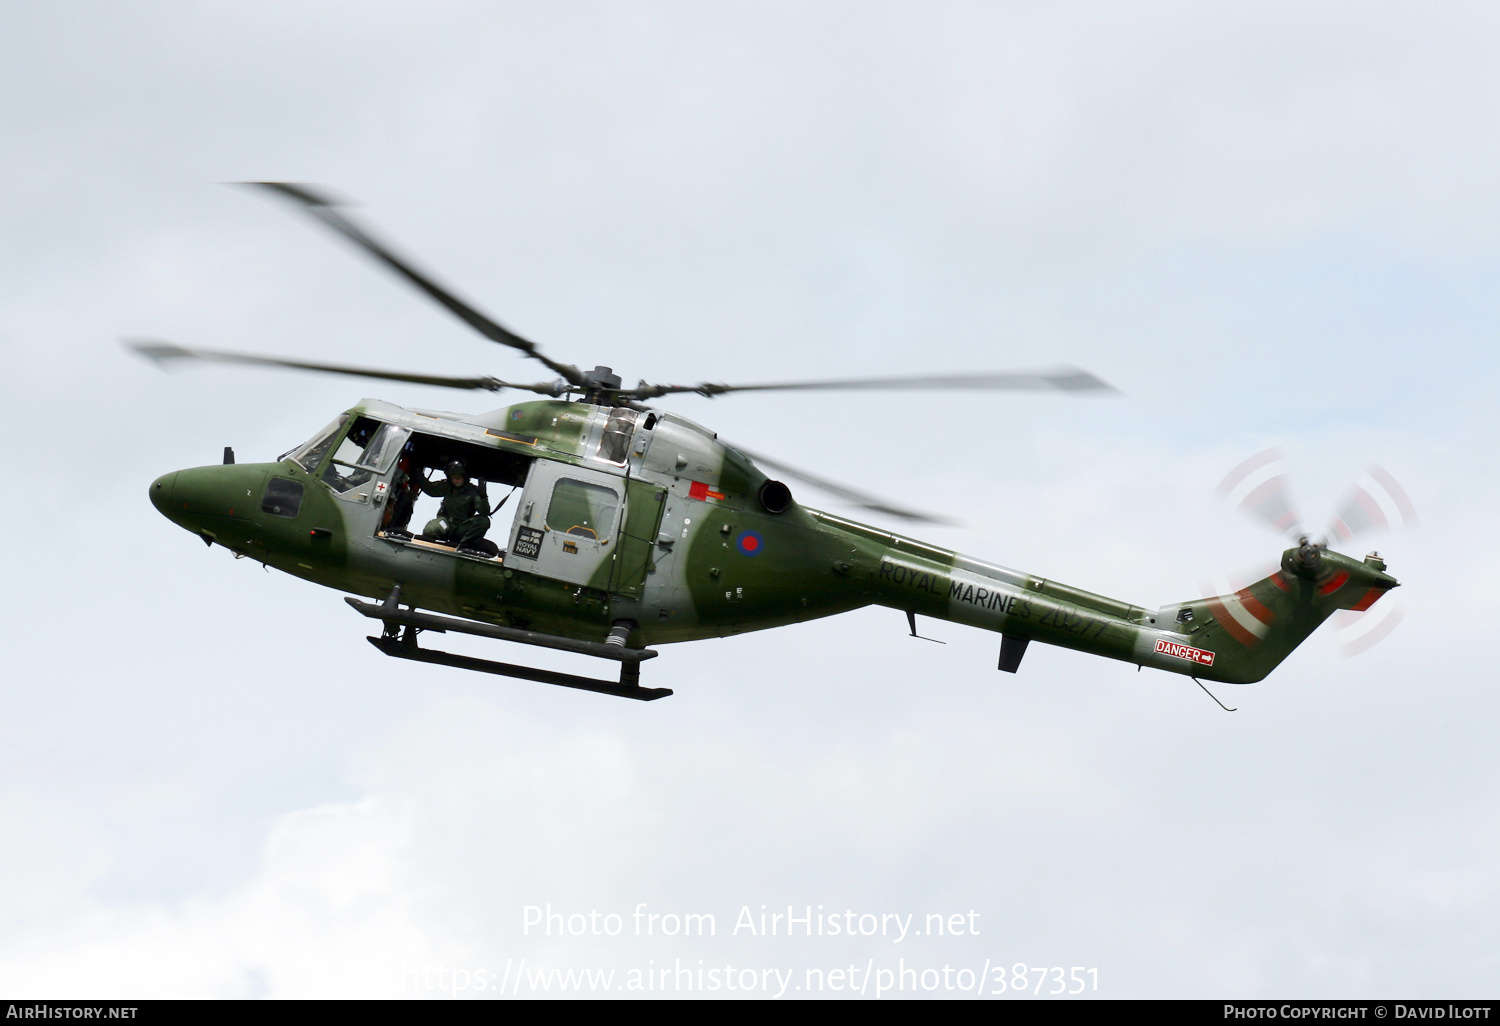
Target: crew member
{"points": [[463, 517], [404, 490]]}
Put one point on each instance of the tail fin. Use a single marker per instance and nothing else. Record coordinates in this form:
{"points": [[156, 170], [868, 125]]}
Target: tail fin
{"points": [[1252, 630]]}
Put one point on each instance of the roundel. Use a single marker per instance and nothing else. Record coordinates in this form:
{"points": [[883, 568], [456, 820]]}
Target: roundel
{"points": [[749, 543]]}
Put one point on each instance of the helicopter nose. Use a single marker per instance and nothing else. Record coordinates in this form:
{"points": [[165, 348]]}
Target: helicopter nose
{"points": [[161, 493]]}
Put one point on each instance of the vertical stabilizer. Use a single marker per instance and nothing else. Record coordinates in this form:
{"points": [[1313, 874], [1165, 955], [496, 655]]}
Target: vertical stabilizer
{"points": [[1240, 637]]}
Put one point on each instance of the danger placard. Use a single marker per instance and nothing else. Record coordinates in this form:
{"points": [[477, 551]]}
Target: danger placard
{"points": [[1192, 655]]}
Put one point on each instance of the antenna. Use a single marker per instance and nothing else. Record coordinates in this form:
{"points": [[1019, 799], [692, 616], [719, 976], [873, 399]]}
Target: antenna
{"points": [[1210, 694], [911, 619]]}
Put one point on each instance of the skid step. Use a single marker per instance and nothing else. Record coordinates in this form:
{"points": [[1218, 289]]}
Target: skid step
{"points": [[628, 686]]}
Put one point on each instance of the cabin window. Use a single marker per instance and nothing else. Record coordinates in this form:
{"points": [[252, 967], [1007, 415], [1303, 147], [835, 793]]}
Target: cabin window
{"points": [[583, 509], [615, 442], [283, 498]]}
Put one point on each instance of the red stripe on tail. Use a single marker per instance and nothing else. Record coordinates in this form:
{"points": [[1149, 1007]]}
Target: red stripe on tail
{"points": [[1253, 604], [1229, 623], [1335, 584]]}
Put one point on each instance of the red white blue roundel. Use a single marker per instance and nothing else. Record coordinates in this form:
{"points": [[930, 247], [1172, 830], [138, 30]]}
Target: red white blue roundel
{"points": [[749, 543]]}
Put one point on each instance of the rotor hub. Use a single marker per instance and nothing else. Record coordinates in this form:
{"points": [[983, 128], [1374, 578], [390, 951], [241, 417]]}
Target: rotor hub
{"points": [[601, 379]]}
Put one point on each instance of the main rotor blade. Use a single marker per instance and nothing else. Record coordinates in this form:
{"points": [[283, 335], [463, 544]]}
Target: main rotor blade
{"points": [[1059, 379], [165, 352], [863, 500], [325, 210]]}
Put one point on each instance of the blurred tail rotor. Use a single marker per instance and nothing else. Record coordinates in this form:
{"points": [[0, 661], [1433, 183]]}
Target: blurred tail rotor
{"points": [[1259, 487], [1375, 502], [1357, 632]]}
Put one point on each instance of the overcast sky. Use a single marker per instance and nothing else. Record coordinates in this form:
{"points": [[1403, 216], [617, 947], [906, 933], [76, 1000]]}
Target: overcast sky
{"points": [[1266, 224]]}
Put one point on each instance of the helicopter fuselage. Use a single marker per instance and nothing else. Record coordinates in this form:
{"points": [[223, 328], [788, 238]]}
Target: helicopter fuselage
{"points": [[646, 523]]}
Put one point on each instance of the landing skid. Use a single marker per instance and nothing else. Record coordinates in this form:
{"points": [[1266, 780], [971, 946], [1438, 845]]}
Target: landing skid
{"points": [[629, 686]]}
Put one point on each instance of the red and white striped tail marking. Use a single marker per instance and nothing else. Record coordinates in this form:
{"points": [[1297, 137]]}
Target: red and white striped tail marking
{"points": [[1244, 616]]}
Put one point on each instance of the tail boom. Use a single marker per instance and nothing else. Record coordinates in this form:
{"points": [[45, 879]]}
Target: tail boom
{"points": [[1237, 638]]}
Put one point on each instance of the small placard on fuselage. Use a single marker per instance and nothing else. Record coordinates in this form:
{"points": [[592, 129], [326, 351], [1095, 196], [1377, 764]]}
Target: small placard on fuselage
{"points": [[528, 542]]}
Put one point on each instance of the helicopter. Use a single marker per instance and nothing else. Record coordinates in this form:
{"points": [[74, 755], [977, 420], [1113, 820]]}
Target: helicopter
{"points": [[635, 527]]}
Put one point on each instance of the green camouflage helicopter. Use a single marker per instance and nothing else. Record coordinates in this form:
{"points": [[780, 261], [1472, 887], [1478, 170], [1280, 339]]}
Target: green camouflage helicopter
{"points": [[633, 527]]}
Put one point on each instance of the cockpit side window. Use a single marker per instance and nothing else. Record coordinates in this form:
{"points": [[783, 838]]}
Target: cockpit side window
{"points": [[383, 448], [311, 453], [359, 456]]}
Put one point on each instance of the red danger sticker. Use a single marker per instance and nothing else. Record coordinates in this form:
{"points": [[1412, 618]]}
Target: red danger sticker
{"points": [[1192, 655]]}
